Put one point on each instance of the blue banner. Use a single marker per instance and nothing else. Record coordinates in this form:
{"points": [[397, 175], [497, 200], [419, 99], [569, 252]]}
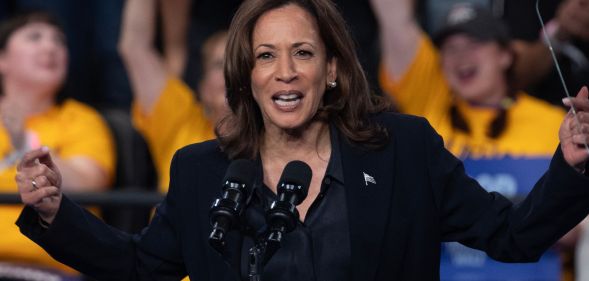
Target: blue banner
{"points": [[514, 178]]}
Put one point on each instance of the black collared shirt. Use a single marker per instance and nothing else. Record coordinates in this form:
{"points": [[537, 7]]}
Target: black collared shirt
{"points": [[319, 247]]}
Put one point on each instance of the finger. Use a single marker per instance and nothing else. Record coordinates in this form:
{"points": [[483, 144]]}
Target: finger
{"points": [[44, 170], [36, 197], [39, 170], [47, 160], [25, 182], [42, 181], [52, 195], [580, 139], [30, 157], [583, 93], [580, 102], [581, 129], [21, 178], [582, 117]]}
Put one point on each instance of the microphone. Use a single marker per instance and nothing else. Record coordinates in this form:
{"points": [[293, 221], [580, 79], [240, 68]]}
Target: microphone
{"points": [[292, 189], [226, 211], [282, 216]]}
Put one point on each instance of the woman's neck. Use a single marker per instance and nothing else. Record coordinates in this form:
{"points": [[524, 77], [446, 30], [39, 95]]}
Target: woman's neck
{"points": [[311, 145], [306, 144], [28, 101], [493, 98]]}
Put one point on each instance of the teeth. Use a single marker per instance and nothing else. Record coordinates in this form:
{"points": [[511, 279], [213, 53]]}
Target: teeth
{"points": [[287, 103], [289, 97], [288, 100]]}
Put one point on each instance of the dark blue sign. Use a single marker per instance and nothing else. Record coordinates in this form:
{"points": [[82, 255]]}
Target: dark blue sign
{"points": [[514, 178]]}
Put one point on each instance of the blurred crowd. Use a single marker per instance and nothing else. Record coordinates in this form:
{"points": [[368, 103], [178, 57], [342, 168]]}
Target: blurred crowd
{"points": [[114, 88]]}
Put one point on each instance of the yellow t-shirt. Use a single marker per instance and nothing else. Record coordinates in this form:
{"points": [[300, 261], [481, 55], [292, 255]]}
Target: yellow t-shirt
{"points": [[69, 130], [177, 120], [532, 125]]}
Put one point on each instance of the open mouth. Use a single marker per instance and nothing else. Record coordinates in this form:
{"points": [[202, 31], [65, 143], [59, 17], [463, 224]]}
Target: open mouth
{"points": [[287, 100], [466, 73], [49, 64]]}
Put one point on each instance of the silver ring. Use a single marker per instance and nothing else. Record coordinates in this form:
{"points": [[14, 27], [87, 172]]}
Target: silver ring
{"points": [[34, 183]]}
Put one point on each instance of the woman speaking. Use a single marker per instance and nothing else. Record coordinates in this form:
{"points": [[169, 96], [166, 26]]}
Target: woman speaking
{"points": [[383, 193]]}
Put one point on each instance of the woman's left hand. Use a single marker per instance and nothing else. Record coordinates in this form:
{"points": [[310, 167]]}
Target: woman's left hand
{"points": [[574, 135]]}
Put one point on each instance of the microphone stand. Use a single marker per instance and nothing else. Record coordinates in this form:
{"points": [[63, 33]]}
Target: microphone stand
{"points": [[255, 262], [262, 252]]}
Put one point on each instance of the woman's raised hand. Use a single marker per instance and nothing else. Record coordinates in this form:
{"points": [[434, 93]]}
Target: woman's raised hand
{"points": [[574, 135], [39, 183]]}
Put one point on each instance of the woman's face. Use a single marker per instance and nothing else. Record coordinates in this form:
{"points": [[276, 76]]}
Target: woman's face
{"points": [[475, 69], [35, 56], [291, 69]]}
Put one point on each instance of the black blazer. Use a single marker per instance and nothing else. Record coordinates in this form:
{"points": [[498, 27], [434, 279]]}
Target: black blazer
{"points": [[422, 197]]}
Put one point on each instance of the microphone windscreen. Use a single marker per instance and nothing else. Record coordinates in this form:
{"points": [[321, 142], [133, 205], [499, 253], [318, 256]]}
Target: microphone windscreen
{"points": [[297, 173], [241, 171]]}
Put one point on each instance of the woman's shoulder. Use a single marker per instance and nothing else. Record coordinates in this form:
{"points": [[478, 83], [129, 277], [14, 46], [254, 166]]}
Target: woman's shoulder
{"points": [[205, 153], [400, 121], [76, 113], [71, 107], [405, 129], [529, 105]]}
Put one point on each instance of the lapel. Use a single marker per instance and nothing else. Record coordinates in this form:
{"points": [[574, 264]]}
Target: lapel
{"points": [[368, 204]]}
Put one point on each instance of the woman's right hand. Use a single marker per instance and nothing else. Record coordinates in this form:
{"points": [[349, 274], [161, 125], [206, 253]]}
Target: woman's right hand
{"points": [[39, 183]]}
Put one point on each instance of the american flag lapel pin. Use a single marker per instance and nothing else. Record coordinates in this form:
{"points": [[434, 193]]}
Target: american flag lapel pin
{"points": [[368, 179]]}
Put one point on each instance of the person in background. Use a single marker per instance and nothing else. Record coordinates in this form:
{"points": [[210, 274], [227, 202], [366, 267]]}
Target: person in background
{"points": [[33, 68], [96, 73], [462, 82], [165, 110]]}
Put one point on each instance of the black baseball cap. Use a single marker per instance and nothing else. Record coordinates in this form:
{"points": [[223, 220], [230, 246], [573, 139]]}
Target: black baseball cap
{"points": [[473, 21]]}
